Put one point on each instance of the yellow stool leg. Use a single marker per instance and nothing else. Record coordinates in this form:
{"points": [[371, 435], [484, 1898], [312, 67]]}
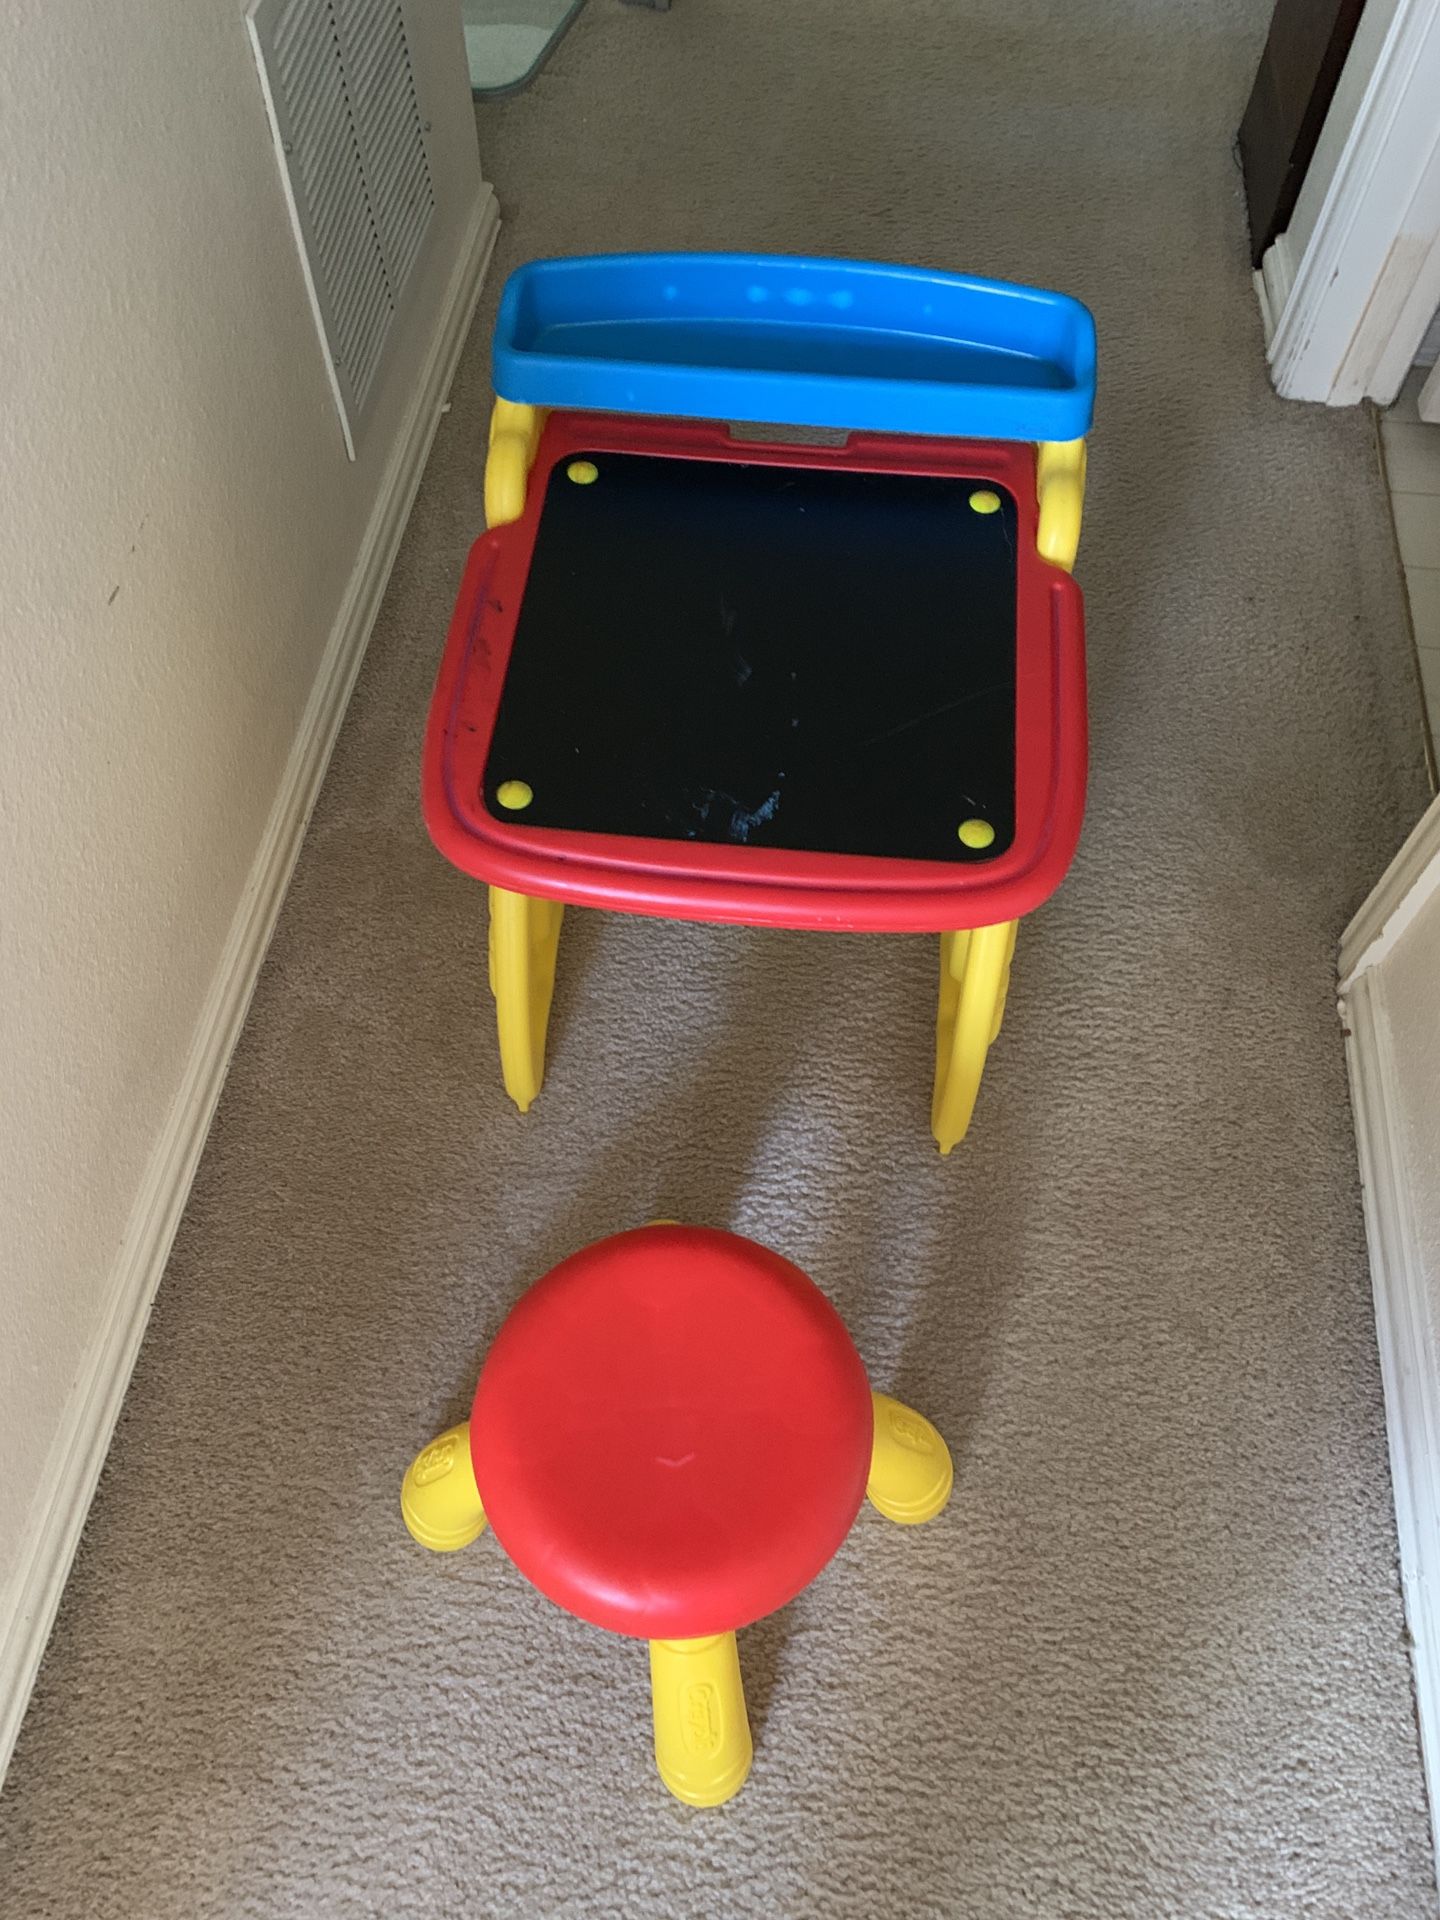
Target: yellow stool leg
{"points": [[702, 1734], [910, 1468], [524, 938], [439, 1497], [974, 980]]}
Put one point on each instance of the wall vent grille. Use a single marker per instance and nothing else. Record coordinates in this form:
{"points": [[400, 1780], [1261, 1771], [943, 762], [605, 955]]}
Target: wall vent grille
{"points": [[340, 89]]}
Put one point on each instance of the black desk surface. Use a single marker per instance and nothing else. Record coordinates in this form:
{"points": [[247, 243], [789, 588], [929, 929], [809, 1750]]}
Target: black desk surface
{"points": [[778, 656]]}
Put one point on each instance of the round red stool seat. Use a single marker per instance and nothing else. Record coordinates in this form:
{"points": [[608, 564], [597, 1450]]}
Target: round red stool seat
{"points": [[672, 1433]]}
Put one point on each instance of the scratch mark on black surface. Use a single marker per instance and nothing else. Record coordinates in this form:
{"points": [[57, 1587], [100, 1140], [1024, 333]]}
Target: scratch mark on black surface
{"points": [[934, 713]]}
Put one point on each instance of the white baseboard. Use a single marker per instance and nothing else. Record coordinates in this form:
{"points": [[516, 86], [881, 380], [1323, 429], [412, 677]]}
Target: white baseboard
{"points": [[58, 1516], [1274, 278], [1409, 1354]]}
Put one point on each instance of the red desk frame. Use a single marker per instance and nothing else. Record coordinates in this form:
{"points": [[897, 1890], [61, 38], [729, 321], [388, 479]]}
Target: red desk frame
{"points": [[763, 886]]}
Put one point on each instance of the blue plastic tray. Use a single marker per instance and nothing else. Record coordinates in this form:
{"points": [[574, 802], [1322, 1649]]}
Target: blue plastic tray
{"points": [[817, 343]]}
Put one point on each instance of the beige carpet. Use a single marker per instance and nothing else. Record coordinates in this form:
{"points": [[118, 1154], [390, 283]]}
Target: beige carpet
{"points": [[1152, 1662]]}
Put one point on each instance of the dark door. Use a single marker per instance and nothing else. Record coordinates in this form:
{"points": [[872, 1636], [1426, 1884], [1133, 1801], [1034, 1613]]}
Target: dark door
{"points": [[1308, 42]]}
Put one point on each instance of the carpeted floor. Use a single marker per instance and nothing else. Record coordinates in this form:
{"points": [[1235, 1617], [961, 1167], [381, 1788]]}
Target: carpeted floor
{"points": [[1152, 1662]]}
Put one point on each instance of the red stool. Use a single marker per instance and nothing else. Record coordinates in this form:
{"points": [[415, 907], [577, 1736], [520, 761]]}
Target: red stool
{"points": [[671, 1436]]}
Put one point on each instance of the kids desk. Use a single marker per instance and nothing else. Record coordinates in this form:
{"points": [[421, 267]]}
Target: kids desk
{"points": [[826, 683]]}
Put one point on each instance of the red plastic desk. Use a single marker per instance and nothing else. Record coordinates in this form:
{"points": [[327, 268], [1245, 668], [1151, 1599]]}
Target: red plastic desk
{"points": [[527, 865]]}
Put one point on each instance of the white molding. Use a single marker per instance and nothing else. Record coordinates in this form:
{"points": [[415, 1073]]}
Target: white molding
{"points": [[1409, 1376], [58, 1514], [1404, 887], [1409, 1356], [1274, 278], [1404, 299], [1356, 311], [1428, 403]]}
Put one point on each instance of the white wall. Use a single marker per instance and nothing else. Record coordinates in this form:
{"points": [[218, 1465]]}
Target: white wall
{"points": [[1412, 1011], [179, 528]]}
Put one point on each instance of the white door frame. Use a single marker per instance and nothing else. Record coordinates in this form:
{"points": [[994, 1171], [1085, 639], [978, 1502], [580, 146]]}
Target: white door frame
{"points": [[1346, 317]]}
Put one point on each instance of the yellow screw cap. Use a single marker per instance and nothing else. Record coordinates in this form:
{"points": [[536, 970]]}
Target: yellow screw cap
{"points": [[976, 834], [984, 501], [585, 472], [439, 1499], [911, 1472], [516, 795]]}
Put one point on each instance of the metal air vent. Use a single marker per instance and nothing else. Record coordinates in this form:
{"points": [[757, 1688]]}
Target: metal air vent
{"points": [[341, 94]]}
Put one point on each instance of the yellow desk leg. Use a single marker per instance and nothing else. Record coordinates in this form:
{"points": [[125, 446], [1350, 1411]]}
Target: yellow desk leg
{"points": [[910, 1468], [514, 437], [974, 980], [1060, 491], [524, 937], [702, 1733], [439, 1497]]}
